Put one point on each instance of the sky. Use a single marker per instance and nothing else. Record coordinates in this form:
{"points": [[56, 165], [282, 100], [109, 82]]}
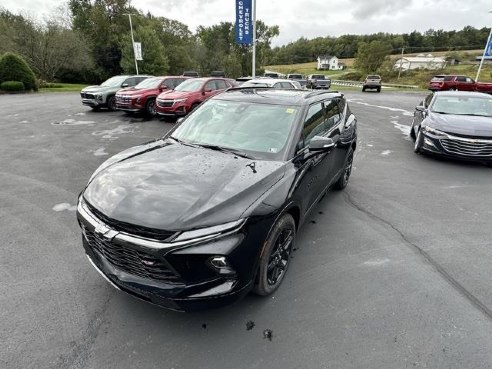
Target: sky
{"points": [[310, 18]]}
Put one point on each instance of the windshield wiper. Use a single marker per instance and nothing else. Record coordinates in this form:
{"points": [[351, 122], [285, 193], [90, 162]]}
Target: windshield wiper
{"points": [[439, 112], [225, 149], [181, 141]]}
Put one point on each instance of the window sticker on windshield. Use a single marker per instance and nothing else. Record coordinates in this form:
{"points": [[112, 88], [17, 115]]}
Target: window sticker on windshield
{"points": [[290, 110], [273, 149]]}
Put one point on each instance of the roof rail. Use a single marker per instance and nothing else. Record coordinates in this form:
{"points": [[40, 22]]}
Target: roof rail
{"points": [[320, 92]]}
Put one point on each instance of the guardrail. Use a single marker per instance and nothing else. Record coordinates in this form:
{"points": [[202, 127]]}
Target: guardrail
{"points": [[338, 82]]}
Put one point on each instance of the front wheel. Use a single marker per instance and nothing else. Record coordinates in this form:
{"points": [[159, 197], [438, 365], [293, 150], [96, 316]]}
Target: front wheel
{"points": [[112, 103], [275, 257], [150, 108], [347, 170], [418, 143]]}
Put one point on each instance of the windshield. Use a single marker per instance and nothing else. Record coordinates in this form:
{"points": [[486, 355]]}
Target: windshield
{"points": [[190, 85], [258, 130], [318, 76], [295, 76], [149, 83], [463, 105], [373, 77], [114, 81]]}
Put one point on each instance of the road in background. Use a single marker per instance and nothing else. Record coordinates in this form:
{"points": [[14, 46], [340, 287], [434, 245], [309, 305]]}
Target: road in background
{"points": [[394, 272]]}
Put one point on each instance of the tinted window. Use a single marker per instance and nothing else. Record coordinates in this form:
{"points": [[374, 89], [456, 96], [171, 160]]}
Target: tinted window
{"points": [[210, 86], [286, 85], [461, 79], [314, 123], [130, 81], [221, 85], [448, 78], [428, 100], [332, 111], [169, 84]]}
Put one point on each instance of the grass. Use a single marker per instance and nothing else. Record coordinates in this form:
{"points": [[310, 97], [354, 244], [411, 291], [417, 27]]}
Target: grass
{"points": [[63, 87]]}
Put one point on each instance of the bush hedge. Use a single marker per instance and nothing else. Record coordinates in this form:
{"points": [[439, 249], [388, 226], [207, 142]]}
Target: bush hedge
{"points": [[12, 86], [14, 68]]}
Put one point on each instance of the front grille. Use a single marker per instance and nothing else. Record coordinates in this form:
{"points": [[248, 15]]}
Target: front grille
{"points": [[165, 103], [479, 148], [130, 260], [86, 95], [123, 99]]}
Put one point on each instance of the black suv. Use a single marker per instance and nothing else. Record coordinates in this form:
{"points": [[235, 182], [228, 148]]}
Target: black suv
{"points": [[210, 211]]}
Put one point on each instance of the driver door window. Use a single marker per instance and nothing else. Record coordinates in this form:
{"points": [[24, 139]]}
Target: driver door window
{"points": [[313, 124], [210, 86]]}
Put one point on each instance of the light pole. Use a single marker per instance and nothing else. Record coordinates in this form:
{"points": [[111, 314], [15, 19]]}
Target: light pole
{"points": [[133, 41], [484, 52], [253, 74]]}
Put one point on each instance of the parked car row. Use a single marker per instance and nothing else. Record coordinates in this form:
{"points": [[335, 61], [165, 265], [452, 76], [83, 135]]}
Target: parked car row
{"points": [[165, 95], [444, 82]]}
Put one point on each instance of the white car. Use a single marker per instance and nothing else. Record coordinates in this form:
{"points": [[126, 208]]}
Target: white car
{"points": [[274, 83]]}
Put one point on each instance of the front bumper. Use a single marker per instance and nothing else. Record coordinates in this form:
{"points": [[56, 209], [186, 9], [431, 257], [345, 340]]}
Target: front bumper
{"points": [[464, 148], [129, 108], [175, 277], [93, 102]]}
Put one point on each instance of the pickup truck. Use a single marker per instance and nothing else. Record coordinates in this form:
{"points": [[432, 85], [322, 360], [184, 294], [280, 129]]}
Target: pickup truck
{"points": [[297, 77], [316, 81], [459, 83]]}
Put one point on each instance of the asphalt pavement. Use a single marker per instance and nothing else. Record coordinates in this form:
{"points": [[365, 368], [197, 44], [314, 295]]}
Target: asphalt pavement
{"points": [[393, 272]]}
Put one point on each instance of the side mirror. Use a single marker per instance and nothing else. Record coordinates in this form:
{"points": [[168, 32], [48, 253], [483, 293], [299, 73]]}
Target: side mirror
{"points": [[125, 85], [321, 144], [421, 108], [206, 91], [350, 120]]}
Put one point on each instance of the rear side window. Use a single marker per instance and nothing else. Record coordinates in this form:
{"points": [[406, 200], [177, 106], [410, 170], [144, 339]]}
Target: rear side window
{"points": [[461, 79], [448, 78], [221, 85]]}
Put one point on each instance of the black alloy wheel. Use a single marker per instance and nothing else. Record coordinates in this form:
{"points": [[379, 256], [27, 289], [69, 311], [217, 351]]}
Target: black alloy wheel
{"points": [[275, 257], [347, 171], [112, 103], [150, 108]]}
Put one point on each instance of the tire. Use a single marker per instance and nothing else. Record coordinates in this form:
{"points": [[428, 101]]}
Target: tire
{"points": [[275, 258], [95, 108], [150, 108], [379, 89], [111, 103], [418, 143], [194, 106], [363, 89], [347, 170]]}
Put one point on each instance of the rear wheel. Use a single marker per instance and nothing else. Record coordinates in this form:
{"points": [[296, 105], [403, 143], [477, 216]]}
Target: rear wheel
{"points": [[276, 256], [347, 170], [363, 89], [379, 89]]}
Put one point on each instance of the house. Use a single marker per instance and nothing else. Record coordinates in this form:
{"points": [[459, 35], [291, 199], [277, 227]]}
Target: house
{"points": [[420, 61], [328, 62]]}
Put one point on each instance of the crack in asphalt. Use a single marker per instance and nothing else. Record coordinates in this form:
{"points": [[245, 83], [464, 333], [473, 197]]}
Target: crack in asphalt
{"points": [[480, 306], [79, 354]]}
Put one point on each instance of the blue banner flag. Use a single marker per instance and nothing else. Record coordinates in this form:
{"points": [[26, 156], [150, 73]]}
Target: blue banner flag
{"points": [[244, 26], [488, 47]]}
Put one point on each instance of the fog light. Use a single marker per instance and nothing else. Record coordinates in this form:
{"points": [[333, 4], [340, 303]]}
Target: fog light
{"points": [[221, 265], [428, 142]]}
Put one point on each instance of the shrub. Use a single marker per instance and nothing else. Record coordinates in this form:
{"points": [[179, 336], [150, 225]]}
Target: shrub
{"points": [[12, 86], [352, 76], [14, 68]]}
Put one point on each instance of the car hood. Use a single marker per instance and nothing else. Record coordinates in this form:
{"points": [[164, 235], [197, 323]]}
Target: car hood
{"points": [[169, 186], [171, 95], [132, 91], [94, 89], [461, 124]]}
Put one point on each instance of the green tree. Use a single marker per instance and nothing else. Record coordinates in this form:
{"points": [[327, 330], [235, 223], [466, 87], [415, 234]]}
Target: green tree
{"points": [[154, 61], [14, 68], [370, 56]]}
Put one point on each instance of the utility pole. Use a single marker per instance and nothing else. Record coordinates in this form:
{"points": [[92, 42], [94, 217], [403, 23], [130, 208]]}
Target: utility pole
{"points": [[253, 74], [401, 62], [133, 41]]}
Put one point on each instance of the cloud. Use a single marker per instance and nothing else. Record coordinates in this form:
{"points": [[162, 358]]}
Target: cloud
{"points": [[367, 9]]}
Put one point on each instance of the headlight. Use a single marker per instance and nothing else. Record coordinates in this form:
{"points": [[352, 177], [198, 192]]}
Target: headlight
{"points": [[98, 96], [210, 232], [180, 100], [433, 131]]}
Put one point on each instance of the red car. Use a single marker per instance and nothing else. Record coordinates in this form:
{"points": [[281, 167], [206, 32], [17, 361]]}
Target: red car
{"points": [[142, 96], [188, 95], [459, 83]]}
